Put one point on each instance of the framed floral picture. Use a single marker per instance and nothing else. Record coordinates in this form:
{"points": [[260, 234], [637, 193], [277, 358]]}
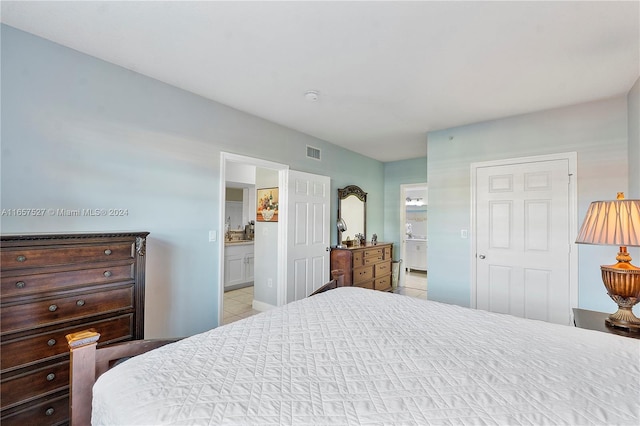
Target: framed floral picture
{"points": [[267, 205]]}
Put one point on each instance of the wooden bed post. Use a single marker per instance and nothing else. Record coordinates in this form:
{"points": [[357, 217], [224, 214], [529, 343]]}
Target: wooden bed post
{"points": [[88, 363], [338, 276], [83, 374], [336, 281]]}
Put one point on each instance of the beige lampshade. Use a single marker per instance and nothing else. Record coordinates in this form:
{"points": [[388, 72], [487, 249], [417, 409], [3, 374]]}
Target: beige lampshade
{"points": [[615, 223]]}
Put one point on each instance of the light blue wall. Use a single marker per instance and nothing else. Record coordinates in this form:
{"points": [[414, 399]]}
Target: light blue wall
{"points": [[597, 131], [397, 173], [78, 132], [633, 112], [633, 107], [266, 247]]}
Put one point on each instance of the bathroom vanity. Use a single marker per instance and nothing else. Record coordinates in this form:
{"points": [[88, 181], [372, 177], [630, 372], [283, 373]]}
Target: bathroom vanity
{"points": [[238, 264]]}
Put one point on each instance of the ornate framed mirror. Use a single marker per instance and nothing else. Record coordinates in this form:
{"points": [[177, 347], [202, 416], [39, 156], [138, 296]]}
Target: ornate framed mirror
{"points": [[352, 208]]}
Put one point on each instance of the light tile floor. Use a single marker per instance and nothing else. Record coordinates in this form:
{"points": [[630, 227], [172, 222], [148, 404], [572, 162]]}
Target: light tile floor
{"points": [[238, 303], [414, 285]]}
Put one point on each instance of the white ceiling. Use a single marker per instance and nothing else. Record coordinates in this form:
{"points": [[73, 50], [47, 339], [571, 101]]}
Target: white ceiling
{"points": [[387, 72]]}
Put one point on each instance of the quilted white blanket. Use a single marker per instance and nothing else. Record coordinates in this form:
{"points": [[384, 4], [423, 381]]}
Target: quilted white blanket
{"points": [[360, 357]]}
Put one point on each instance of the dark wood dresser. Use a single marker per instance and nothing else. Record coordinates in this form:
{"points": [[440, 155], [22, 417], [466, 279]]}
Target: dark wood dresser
{"points": [[367, 266], [53, 285]]}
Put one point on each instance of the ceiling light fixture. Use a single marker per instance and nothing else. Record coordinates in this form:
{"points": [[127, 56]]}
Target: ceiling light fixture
{"points": [[414, 201], [311, 95]]}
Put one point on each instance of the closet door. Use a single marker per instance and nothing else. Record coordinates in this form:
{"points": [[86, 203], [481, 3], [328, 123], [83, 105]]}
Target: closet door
{"points": [[523, 247]]}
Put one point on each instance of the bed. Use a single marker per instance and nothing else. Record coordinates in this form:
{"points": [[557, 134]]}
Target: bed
{"points": [[352, 356]]}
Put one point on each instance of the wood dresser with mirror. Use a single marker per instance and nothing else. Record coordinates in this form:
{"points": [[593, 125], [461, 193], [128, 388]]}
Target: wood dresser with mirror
{"points": [[54, 285], [364, 264]]}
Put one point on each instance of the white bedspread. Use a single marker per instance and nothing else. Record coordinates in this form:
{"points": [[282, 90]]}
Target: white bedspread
{"points": [[361, 357]]}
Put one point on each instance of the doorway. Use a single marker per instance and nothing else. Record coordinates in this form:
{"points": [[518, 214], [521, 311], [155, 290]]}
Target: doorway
{"points": [[523, 226], [414, 200], [240, 207], [301, 202], [272, 269]]}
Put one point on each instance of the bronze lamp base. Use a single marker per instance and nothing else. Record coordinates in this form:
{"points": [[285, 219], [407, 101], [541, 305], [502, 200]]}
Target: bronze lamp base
{"points": [[622, 281]]}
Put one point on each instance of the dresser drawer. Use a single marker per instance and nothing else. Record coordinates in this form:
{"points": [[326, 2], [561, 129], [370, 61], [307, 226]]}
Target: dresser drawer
{"points": [[370, 260], [358, 258], [49, 412], [34, 384], [374, 252], [362, 274], [27, 316], [382, 269], [387, 253], [20, 285], [18, 258], [45, 346], [383, 283], [365, 284]]}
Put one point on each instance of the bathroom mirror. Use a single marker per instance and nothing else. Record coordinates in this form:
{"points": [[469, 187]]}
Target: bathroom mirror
{"points": [[352, 208]]}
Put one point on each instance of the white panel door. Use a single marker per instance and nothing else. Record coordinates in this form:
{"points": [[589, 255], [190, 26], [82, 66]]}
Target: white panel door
{"points": [[308, 234], [523, 240]]}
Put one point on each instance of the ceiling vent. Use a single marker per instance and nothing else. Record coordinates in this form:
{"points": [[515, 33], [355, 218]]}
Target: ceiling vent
{"points": [[313, 152]]}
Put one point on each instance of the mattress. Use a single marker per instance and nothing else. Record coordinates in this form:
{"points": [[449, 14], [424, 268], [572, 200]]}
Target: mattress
{"points": [[352, 356]]}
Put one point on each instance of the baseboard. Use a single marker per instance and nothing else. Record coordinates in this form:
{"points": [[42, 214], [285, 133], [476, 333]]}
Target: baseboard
{"points": [[238, 286], [261, 306]]}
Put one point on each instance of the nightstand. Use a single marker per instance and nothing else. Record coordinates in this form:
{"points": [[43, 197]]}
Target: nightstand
{"points": [[593, 320]]}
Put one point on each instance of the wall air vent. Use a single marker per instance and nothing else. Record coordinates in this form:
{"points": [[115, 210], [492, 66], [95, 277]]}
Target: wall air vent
{"points": [[313, 152]]}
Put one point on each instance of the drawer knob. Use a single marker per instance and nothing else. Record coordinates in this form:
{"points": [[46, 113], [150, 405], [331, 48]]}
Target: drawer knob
{"points": [[51, 342], [107, 274], [21, 258], [49, 411], [50, 377], [53, 308], [20, 284], [107, 252], [80, 302]]}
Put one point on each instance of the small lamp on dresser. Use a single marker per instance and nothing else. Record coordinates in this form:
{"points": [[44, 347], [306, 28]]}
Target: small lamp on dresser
{"points": [[342, 226], [617, 223]]}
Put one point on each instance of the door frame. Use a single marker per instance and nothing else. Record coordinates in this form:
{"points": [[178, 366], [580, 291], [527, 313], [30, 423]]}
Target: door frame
{"points": [[282, 219], [572, 159]]}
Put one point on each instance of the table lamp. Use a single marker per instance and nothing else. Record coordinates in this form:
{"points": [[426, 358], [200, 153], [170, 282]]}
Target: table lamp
{"points": [[617, 223], [342, 226]]}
